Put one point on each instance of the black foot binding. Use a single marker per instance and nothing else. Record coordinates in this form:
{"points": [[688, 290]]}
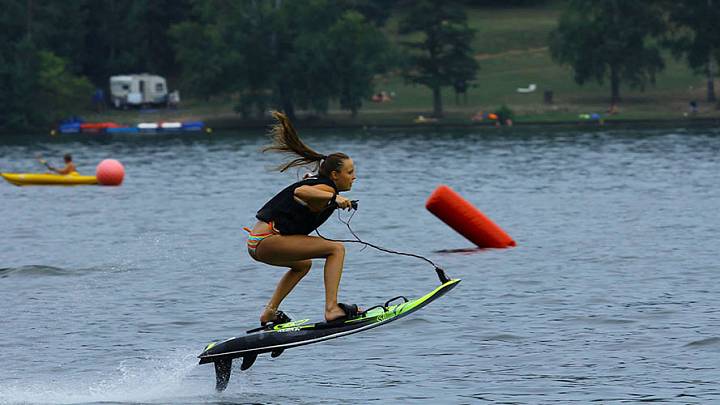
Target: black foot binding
{"points": [[248, 361], [280, 318], [276, 353], [351, 312], [222, 374]]}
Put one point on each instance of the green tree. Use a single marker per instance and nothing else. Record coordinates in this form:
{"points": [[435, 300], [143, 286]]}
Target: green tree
{"points": [[107, 51], [695, 36], [146, 32], [59, 92], [442, 54], [374, 11], [610, 39], [18, 79], [16, 65], [357, 53], [61, 28], [38, 89], [202, 52], [504, 3], [36, 85], [286, 54], [336, 52], [307, 72], [228, 48], [131, 36]]}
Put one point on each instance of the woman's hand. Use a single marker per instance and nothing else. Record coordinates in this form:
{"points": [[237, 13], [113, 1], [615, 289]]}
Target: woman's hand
{"points": [[343, 202]]}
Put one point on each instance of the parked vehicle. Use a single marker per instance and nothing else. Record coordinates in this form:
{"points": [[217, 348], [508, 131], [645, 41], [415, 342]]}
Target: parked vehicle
{"points": [[138, 90]]}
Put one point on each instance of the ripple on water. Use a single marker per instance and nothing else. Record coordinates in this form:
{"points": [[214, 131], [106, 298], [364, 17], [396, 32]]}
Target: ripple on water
{"points": [[34, 271], [708, 343], [41, 271]]}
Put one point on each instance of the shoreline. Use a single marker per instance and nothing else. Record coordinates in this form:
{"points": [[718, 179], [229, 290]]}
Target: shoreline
{"points": [[329, 124], [225, 123]]}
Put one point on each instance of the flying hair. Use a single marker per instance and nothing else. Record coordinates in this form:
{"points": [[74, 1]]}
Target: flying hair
{"points": [[286, 140]]}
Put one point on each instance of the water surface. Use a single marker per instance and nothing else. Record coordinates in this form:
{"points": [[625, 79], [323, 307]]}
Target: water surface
{"points": [[611, 295]]}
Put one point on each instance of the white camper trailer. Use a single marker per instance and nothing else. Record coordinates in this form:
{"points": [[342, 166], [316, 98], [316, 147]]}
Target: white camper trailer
{"points": [[137, 90]]}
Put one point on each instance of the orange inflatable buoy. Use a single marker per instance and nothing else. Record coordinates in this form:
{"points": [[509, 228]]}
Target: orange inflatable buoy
{"points": [[467, 220], [110, 172]]}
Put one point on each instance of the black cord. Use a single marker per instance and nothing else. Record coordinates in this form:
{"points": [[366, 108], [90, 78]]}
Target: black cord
{"points": [[358, 240]]}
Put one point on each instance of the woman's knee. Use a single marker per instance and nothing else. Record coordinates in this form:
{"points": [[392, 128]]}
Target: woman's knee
{"points": [[338, 249]]}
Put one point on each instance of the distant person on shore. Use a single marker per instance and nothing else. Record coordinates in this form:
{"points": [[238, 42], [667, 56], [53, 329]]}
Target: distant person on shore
{"points": [[98, 100], [693, 107], [69, 165], [593, 117], [173, 99], [382, 97], [613, 109], [494, 118]]}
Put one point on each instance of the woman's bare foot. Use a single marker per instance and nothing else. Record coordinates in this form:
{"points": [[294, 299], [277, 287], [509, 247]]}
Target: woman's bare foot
{"points": [[336, 313], [268, 315]]}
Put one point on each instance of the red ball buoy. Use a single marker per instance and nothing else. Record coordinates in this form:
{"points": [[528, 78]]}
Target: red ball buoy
{"points": [[110, 172], [467, 220]]}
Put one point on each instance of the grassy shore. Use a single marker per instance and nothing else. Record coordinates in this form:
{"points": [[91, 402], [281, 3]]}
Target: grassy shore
{"points": [[511, 48]]}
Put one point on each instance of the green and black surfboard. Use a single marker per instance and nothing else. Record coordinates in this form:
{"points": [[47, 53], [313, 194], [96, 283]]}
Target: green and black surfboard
{"points": [[303, 332]]}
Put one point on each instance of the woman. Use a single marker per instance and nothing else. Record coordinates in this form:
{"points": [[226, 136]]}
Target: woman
{"points": [[281, 235]]}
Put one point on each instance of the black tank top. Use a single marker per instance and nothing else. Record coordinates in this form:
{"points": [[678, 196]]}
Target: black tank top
{"points": [[289, 216]]}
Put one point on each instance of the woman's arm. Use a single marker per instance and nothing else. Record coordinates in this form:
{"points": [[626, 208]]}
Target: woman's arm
{"points": [[318, 196]]}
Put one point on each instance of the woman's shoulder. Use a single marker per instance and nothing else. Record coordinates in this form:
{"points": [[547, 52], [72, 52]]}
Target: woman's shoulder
{"points": [[317, 181]]}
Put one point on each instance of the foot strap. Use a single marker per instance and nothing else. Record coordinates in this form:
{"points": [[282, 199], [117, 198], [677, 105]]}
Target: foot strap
{"points": [[280, 318]]}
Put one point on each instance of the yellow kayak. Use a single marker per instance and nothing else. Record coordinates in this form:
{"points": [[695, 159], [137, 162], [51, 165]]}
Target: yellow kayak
{"points": [[48, 179]]}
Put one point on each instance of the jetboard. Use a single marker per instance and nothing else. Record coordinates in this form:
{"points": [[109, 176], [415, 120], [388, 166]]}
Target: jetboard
{"points": [[278, 338]]}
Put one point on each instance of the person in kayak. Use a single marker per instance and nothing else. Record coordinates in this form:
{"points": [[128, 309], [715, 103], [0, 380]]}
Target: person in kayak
{"points": [[69, 165], [281, 235]]}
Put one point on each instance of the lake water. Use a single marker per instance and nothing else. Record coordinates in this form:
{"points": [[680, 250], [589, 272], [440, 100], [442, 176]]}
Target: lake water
{"points": [[612, 294]]}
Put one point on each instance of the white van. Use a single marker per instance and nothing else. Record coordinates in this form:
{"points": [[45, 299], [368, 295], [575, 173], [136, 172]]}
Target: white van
{"points": [[137, 90]]}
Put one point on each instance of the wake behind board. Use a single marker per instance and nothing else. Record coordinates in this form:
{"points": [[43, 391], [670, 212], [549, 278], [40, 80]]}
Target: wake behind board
{"points": [[298, 333]]}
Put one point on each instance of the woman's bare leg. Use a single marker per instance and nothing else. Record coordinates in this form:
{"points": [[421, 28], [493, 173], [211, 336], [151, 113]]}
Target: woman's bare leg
{"points": [[289, 280], [279, 250], [333, 273]]}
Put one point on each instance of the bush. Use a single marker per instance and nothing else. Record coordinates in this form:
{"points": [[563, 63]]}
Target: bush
{"points": [[504, 113]]}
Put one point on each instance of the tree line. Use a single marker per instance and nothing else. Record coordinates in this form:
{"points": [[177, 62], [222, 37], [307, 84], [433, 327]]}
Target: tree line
{"points": [[306, 54]]}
